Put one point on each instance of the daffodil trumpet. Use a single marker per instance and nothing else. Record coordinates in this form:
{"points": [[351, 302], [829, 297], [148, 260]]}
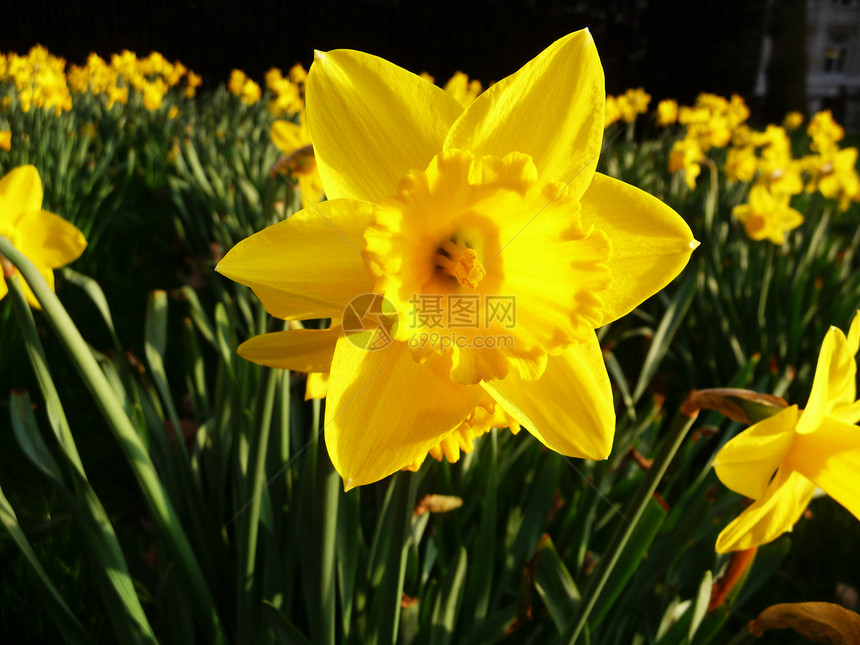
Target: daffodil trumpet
{"points": [[433, 206]]}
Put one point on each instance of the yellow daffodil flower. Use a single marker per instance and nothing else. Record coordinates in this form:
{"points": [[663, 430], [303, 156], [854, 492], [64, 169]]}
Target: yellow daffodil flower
{"points": [[825, 131], [667, 112], [741, 164], [687, 155], [780, 461], [793, 120], [612, 112], [462, 89], [499, 201], [633, 103], [294, 142], [5, 139], [838, 178], [767, 215], [46, 239]]}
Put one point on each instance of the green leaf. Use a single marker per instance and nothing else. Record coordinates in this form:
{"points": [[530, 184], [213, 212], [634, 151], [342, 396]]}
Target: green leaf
{"points": [[62, 616], [29, 439], [285, 632], [448, 602], [634, 551], [554, 584]]}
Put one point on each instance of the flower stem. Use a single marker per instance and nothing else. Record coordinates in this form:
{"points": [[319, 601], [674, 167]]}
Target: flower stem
{"points": [[630, 517]]}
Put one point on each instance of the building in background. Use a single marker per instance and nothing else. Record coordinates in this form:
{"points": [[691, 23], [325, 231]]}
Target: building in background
{"points": [[833, 52]]}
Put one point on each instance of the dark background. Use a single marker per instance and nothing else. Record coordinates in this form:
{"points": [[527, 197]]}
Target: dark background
{"points": [[674, 48]]}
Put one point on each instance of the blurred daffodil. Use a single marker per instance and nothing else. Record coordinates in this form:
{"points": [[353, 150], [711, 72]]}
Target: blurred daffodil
{"points": [[48, 241], [462, 89], [780, 461], [428, 200], [767, 215], [793, 120], [667, 112], [687, 155], [294, 142]]}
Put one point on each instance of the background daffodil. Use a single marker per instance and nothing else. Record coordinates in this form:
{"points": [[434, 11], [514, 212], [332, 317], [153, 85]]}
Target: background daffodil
{"points": [[780, 461], [49, 241], [431, 199]]}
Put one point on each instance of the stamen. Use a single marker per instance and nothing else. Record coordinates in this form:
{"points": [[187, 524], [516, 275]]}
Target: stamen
{"points": [[461, 262]]}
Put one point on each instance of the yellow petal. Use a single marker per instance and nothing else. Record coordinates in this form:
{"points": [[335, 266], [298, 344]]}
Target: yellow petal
{"points": [[287, 136], [3, 289], [569, 409], [747, 463], [830, 457], [651, 243], [20, 192], [787, 497], [317, 385], [310, 187], [308, 266], [384, 410], [834, 385], [551, 109], [371, 122], [301, 350], [48, 275], [49, 240]]}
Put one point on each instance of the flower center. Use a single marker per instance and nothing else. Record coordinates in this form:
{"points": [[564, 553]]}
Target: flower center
{"points": [[461, 262]]}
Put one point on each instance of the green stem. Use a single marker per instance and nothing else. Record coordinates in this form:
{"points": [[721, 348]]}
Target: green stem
{"points": [[328, 491], [144, 470], [249, 604], [391, 587], [631, 516]]}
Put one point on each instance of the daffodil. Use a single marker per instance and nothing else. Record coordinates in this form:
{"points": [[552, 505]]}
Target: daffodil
{"points": [[793, 120], [767, 215], [46, 239], [432, 203], [294, 142], [780, 461], [687, 155], [838, 178], [461, 88], [667, 112]]}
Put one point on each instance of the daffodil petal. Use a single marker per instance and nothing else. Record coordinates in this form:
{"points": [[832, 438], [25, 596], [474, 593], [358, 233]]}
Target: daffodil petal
{"points": [[317, 385], [308, 266], [777, 512], [383, 409], [371, 122], [551, 109], [747, 463], [3, 289], [570, 408], [48, 275], [830, 457], [310, 188], [287, 136], [20, 192], [301, 350], [834, 384], [48, 240], [651, 243]]}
